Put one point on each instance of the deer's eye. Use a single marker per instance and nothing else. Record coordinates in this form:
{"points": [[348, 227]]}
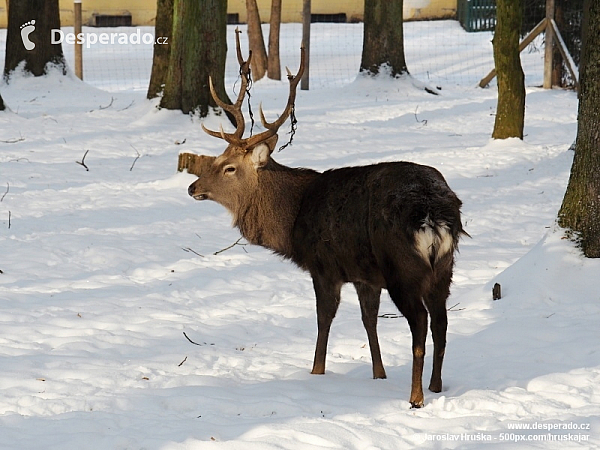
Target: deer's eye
{"points": [[229, 170]]}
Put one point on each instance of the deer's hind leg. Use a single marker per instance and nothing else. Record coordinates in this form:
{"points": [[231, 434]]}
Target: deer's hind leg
{"points": [[407, 298], [369, 297], [435, 300]]}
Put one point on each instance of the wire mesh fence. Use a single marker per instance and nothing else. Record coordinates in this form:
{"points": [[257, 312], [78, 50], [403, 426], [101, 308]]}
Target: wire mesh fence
{"points": [[125, 64]]}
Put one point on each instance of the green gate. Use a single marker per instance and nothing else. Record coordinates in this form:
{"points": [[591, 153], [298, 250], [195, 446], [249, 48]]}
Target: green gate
{"points": [[477, 15]]}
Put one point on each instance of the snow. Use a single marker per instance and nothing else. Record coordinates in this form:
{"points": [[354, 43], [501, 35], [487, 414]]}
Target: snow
{"points": [[102, 276]]}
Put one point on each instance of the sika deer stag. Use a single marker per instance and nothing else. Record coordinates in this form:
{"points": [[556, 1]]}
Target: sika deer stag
{"points": [[391, 226]]}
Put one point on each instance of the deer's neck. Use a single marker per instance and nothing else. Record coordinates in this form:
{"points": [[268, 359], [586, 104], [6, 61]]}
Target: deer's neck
{"points": [[267, 219]]}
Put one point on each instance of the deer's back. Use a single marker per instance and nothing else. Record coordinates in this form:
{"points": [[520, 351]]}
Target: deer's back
{"points": [[353, 220]]}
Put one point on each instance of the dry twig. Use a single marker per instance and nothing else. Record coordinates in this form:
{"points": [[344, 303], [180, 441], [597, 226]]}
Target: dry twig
{"points": [[112, 99], [128, 106], [454, 306], [7, 189], [195, 343], [424, 121], [397, 316], [187, 249], [390, 316], [136, 158], [82, 162], [230, 247], [13, 141]]}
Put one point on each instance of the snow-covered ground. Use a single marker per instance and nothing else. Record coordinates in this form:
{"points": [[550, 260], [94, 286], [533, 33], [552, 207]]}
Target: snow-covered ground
{"points": [[103, 271]]}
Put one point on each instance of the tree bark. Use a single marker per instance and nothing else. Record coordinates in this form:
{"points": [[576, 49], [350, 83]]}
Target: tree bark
{"points": [[510, 113], [2, 105], [274, 64], [383, 41], [257, 41], [29, 34], [580, 210], [558, 68], [160, 61], [198, 50]]}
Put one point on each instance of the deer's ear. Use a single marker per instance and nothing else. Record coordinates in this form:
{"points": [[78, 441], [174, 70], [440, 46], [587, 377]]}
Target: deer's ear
{"points": [[272, 142], [260, 153]]}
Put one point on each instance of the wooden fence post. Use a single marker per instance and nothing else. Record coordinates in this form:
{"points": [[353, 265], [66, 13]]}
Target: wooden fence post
{"points": [[306, 16], [549, 45], [78, 45]]}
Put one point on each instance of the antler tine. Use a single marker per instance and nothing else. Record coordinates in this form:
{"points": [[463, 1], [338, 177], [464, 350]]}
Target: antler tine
{"points": [[217, 134], [238, 48], [294, 80], [244, 70], [236, 109], [236, 112], [227, 137]]}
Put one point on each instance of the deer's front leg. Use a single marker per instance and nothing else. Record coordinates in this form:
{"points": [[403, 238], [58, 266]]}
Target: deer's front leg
{"points": [[328, 300]]}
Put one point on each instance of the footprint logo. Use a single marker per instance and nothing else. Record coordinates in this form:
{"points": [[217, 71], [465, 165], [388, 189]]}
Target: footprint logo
{"points": [[26, 29]]}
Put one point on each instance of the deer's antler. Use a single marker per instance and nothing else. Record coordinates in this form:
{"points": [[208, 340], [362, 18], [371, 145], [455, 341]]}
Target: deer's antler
{"points": [[273, 127], [236, 138], [294, 80], [236, 109]]}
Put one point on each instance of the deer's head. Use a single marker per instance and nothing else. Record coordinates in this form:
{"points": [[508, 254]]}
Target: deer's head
{"points": [[232, 176]]}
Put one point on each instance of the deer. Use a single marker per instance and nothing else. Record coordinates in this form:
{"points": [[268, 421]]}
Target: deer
{"points": [[391, 225]]}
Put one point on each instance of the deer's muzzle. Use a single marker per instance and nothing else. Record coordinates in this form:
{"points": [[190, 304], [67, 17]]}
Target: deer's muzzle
{"points": [[196, 195]]}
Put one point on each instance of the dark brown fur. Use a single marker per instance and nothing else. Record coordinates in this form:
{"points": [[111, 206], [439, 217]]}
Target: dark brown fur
{"points": [[391, 226], [351, 225]]}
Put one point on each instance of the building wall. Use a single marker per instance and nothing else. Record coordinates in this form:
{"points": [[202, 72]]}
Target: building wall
{"points": [[143, 12]]}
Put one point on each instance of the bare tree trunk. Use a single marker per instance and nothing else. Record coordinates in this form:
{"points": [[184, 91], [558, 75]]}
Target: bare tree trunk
{"points": [[160, 61], [383, 42], [580, 210], [274, 64], [510, 113], [2, 105], [558, 72], [198, 49], [256, 40], [28, 37]]}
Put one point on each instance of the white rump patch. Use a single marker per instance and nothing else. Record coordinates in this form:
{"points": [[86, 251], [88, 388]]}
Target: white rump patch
{"points": [[433, 239]]}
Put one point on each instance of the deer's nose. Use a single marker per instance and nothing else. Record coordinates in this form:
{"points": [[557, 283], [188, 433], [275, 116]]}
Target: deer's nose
{"points": [[196, 194]]}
